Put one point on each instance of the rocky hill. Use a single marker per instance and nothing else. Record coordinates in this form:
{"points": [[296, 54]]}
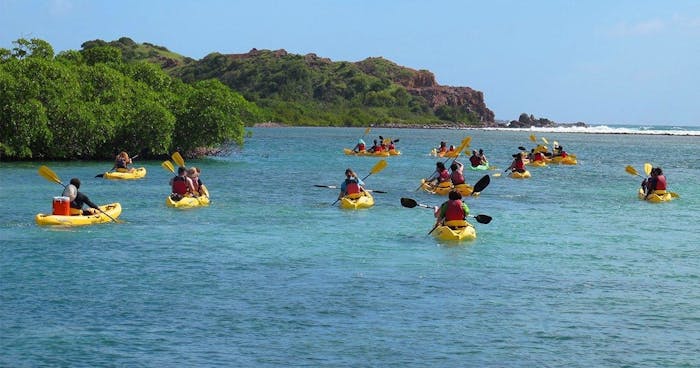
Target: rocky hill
{"points": [[312, 90]]}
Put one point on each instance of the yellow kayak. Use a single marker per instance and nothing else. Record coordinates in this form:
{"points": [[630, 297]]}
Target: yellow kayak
{"points": [[357, 201], [537, 163], [446, 187], [350, 152], [126, 175], [189, 201], [455, 231], [568, 160], [656, 197], [517, 175], [112, 209], [441, 189]]}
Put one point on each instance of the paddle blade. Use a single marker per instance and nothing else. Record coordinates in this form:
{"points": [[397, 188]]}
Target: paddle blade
{"points": [[167, 165], [545, 140], [483, 219], [408, 202], [481, 184], [467, 141], [378, 167], [522, 148], [533, 138], [674, 195], [49, 175], [100, 175], [326, 186], [178, 159], [647, 168], [630, 170], [367, 131]]}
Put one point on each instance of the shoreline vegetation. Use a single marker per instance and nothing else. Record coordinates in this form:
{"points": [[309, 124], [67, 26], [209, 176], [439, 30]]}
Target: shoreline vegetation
{"points": [[142, 98]]}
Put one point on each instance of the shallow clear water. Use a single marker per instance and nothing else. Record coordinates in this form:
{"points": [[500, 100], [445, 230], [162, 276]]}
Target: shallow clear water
{"points": [[573, 270]]}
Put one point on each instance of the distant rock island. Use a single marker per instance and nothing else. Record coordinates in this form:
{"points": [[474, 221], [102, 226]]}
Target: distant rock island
{"points": [[526, 121]]}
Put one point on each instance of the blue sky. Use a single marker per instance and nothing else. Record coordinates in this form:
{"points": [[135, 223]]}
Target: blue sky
{"points": [[600, 62]]}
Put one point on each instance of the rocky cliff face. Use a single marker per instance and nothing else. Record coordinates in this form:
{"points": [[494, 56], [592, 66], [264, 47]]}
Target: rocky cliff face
{"points": [[422, 83]]}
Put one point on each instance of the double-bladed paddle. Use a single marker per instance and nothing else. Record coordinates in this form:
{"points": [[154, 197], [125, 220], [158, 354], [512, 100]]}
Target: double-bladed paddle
{"points": [[337, 187], [49, 175], [647, 169], [411, 203], [379, 166], [167, 165]]}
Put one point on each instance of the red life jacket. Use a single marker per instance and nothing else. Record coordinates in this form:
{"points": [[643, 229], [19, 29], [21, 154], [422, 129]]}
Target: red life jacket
{"points": [[520, 165], [475, 160], [391, 146], [454, 210], [444, 176], [360, 147], [457, 178], [660, 182], [180, 185], [538, 156], [563, 154], [351, 187], [378, 148]]}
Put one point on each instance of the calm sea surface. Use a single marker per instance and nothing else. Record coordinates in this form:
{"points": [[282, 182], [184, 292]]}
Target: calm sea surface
{"points": [[573, 271]]}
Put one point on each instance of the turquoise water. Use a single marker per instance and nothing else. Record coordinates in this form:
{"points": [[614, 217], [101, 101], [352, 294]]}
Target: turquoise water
{"points": [[573, 270]]}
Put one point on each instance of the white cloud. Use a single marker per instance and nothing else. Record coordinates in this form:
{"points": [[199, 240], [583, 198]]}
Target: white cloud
{"points": [[60, 7], [645, 28]]}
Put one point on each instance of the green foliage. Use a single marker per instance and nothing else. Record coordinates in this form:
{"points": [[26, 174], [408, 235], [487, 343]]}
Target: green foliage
{"points": [[90, 103], [306, 90], [102, 54]]}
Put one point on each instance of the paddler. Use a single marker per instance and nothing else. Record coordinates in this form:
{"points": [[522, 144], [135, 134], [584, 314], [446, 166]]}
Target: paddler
{"points": [[360, 146], [517, 165], [352, 185], [78, 200], [457, 175], [656, 182], [439, 176], [452, 210], [181, 184]]}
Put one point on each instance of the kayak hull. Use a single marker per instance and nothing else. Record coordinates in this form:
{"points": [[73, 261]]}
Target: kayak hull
{"points": [[568, 160], [537, 163], [517, 175], [481, 167], [444, 188], [188, 202], [364, 200], [112, 209], [350, 152], [136, 174], [656, 197], [445, 233]]}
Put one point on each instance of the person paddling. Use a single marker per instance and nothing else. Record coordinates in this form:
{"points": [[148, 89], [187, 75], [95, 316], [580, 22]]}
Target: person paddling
{"points": [[474, 159], [517, 165], [482, 157], [457, 175], [79, 199], [440, 175], [656, 182], [453, 212], [360, 146], [181, 184], [351, 186], [122, 162]]}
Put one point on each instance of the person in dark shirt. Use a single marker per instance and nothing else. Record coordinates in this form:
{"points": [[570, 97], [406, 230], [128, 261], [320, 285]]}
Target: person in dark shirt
{"points": [[78, 199]]}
